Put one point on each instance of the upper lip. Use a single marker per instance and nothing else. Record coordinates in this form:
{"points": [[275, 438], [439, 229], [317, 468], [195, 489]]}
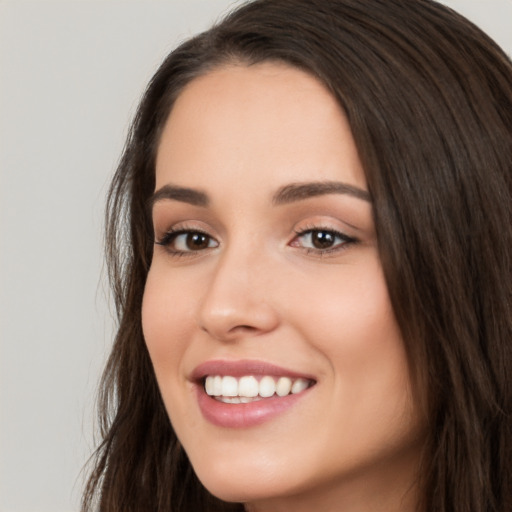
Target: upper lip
{"points": [[242, 367]]}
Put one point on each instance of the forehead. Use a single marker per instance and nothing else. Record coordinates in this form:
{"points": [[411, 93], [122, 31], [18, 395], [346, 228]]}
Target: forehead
{"points": [[270, 119]]}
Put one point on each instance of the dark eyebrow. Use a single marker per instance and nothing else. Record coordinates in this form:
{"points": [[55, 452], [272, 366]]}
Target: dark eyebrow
{"points": [[300, 191], [183, 194]]}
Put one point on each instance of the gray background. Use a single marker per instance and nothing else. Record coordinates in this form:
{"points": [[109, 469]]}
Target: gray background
{"points": [[71, 73]]}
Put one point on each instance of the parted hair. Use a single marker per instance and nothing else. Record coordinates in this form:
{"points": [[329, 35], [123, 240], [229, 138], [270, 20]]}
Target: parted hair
{"points": [[429, 100]]}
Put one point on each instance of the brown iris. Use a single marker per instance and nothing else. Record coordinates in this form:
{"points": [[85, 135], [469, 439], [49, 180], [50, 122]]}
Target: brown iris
{"points": [[197, 241], [322, 239]]}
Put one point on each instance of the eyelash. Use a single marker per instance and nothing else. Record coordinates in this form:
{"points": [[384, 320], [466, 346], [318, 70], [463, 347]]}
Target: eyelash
{"points": [[340, 246], [170, 236]]}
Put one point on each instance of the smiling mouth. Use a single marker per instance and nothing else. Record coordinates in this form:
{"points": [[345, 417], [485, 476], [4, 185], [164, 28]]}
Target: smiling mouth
{"points": [[248, 388]]}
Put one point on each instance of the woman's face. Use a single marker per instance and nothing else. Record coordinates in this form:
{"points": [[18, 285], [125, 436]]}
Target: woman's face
{"points": [[266, 289]]}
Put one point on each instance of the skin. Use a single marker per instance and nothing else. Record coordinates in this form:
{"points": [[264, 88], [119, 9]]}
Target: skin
{"points": [[260, 291]]}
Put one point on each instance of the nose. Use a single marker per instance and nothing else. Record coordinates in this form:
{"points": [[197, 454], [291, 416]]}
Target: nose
{"points": [[238, 299]]}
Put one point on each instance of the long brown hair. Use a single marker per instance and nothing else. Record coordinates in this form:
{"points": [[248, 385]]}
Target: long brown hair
{"points": [[429, 100]]}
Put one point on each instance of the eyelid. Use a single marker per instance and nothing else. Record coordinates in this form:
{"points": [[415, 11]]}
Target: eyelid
{"points": [[183, 228], [346, 240], [167, 227], [173, 233]]}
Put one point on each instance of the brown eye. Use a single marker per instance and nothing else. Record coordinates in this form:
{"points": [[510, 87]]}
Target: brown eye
{"points": [[322, 239], [197, 241], [187, 241]]}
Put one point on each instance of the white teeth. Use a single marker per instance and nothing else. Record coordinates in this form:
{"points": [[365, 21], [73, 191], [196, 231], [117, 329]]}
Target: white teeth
{"points": [[299, 385], [236, 399], [246, 389], [267, 387], [208, 386], [283, 386], [246, 399], [217, 385], [229, 386]]}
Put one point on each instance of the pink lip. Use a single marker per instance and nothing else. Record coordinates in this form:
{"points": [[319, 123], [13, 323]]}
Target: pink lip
{"points": [[243, 367], [243, 415]]}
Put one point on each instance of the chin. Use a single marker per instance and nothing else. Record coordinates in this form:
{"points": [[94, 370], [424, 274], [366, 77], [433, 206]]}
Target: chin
{"points": [[243, 483]]}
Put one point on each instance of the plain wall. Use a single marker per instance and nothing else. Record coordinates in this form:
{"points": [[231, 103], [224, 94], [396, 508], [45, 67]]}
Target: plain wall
{"points": [[71, 73]]}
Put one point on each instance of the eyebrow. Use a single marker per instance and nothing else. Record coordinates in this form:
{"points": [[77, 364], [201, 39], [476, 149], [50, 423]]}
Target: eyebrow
{"points": [[300, 191], [183, 194], [285, 195]]}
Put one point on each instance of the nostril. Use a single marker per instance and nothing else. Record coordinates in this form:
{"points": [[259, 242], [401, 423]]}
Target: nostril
{"points": [[245, 328], [234, 329]]}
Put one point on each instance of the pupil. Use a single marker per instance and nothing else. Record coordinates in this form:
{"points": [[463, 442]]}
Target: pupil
{"points": [[197, 241], [322, 239]]}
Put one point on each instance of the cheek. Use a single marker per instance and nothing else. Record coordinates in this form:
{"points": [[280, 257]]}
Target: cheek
{"points": [[166, 324], [350, 322], [348, 313], [164, 320]]}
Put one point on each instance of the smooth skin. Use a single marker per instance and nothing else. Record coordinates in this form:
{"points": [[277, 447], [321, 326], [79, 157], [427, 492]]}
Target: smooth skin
{"points": [[295, 282]]}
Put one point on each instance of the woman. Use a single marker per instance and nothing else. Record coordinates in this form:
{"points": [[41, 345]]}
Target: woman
{"points": [[309, 242]]}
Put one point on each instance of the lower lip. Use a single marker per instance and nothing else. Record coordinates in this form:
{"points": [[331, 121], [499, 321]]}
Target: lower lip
{"points": [[244, 415]]}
